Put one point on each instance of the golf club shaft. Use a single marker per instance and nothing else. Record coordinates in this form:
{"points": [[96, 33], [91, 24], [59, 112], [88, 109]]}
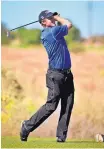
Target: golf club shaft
{"points": [[23, 25]]}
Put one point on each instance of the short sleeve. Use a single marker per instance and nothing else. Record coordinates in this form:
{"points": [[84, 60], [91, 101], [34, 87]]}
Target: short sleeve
{"points": [[59, 31]]}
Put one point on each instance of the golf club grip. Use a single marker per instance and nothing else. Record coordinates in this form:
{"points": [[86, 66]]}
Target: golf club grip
{"points": [[23, 25]]}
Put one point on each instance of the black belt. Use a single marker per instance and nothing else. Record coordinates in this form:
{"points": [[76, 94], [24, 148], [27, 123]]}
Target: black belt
{"points": [[61, 70]]}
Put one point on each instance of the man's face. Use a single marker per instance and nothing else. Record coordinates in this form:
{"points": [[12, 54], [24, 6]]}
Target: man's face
{"points": [[49, 22]]}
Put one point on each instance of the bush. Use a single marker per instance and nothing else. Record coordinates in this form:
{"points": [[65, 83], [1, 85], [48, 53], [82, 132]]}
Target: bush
{"points": [[29, 37], [95, 39], [11, 84], [12, 93]]}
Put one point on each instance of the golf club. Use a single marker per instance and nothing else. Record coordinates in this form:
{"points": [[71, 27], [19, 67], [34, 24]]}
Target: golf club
{"points": [[8, 32]]}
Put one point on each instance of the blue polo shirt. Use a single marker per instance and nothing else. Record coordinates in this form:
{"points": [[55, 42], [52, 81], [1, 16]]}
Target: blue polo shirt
{"points": [[53, 40]]}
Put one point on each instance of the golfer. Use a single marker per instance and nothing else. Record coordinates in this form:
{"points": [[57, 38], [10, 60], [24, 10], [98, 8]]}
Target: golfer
{"points": [[59, 78]]}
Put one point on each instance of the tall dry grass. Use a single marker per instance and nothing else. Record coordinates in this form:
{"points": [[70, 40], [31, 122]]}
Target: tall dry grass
{"points": [[24, 91]]}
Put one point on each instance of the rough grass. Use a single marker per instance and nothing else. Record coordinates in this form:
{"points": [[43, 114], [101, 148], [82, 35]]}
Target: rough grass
{"points": [[29, 68], [14, 142]]}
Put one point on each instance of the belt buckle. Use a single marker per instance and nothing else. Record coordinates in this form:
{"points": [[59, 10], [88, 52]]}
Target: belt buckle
{"points": [[68, 71]]}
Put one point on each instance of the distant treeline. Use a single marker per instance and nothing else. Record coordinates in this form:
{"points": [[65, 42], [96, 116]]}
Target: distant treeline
{"points": [[32, 36]]}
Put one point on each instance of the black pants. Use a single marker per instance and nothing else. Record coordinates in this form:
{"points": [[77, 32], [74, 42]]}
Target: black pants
{"points": [[60, 86]]}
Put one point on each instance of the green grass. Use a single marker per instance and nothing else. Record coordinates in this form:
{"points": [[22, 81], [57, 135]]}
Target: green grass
{"points": [[14, 142], [26, 47]]}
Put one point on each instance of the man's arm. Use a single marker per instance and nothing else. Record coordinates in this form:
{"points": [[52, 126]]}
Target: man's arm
{"points": [[63, 21]]}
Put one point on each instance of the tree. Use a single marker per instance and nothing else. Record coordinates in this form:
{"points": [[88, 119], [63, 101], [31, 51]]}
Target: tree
{"points": [[73, 35], [28, 37]]}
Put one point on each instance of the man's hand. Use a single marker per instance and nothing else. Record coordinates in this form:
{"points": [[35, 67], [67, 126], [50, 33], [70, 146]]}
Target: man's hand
{"points": [[63, 21]]}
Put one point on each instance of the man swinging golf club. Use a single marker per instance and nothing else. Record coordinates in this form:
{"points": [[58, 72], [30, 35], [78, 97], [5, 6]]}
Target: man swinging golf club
{"points": [[59, 78]]}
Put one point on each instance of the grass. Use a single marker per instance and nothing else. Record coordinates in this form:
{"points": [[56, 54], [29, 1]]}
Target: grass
{"points": [[14, 142], [26, 47]]}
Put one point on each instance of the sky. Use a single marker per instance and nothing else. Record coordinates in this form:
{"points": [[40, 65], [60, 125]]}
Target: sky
{"points": [[16, 13]]}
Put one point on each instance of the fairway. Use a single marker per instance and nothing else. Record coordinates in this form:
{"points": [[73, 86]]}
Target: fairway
{"points": [[14, 142]]}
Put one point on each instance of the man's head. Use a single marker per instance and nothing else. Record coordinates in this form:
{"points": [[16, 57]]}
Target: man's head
{"points": [[46, 18]]}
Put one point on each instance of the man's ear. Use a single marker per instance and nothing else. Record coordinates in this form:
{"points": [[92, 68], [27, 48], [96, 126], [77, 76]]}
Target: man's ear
{"points": [[43, 22]]}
